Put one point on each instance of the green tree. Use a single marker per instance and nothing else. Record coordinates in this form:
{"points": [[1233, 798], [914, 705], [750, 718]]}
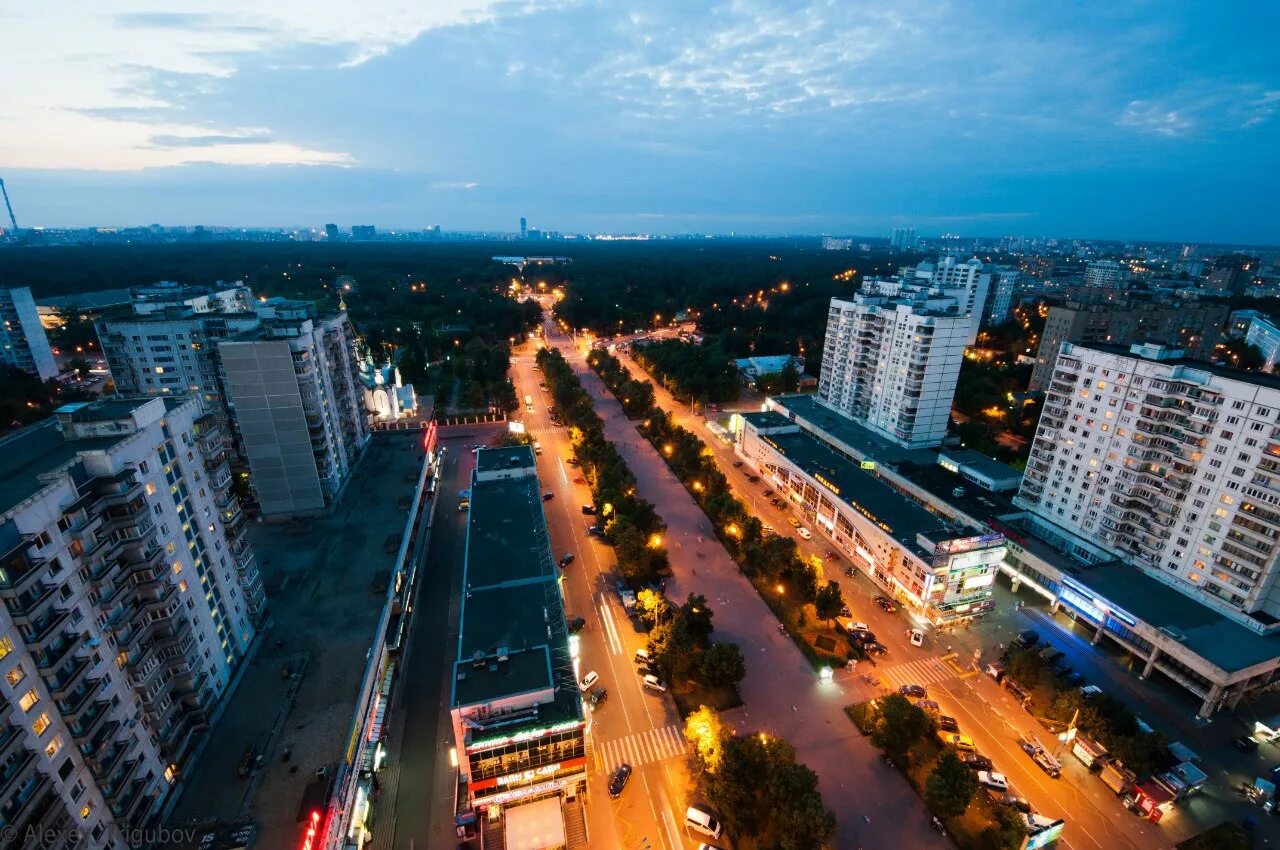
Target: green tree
{"points": [[652, 607], [899, 725], [708, 734], [1007, 832], [790, 377], [696, 616], [950, 786], [631, 548], [1027, 667], [829, 601], [799, 819], [722, 665]]}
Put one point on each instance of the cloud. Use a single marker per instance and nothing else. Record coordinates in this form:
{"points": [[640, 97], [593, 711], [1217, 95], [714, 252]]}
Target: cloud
{"points": [[194, 21], [1154, 118], [454, 184], [208, 140]]}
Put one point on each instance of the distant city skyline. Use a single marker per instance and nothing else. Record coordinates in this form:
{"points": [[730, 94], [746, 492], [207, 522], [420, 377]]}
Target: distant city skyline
{"points": [[1130, 122]]}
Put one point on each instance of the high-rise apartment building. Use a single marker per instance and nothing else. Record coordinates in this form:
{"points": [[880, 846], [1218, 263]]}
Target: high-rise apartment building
{"points": [[129, 599], [332, 233], [904, 239], [968, 283], [1195, 327], [1168, 463], [292, 389], [1107, 274], [173, 345], [1004, 287], [524, 228], [891, 359], [23, 343]]}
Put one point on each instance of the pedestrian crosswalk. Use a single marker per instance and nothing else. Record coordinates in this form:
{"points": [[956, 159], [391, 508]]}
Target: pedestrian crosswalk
{"points": [[642, 747], [923, 672]]}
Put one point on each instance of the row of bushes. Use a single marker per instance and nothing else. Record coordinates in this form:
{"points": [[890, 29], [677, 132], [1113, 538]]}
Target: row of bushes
{"points": [[784, 580], [631, 524], [908, 734]]}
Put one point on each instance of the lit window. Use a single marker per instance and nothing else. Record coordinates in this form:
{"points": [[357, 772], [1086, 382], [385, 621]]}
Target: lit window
{"points": [[86, 810], [41, 724], [6, 646], [159, 370], [29, 699], [52, 748], [16, 675], [182, 586], [150, 488], [177, 567]]}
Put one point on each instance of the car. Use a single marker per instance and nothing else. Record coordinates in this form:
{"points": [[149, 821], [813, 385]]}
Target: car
{"points": [[947, 723], [705, 846], [1028, 746], [595, 531], [566, 560], [793, 522], [573, 461], [876, 648], [1072, 679], [1052, 656], [963, 743], [975, 761], [766, 528], [653, 683], [804, 532], [1021, 804], [1245, 743], [642, 656], [994, 781], [597, 696], [754, 479], [1026, 639], [737, 464], [1090, 691], [845, 612], [576, 625], [927, 705], [619, 780], [832, 555], [589, 510], [1063, 670], [862, 636], [646, 668], [856, 627], [548, 496], [915, 691], [767, 493], [579, 481], [585, 683], [1047, 763], [886, 604]]}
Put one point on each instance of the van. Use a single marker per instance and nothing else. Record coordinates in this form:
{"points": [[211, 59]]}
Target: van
{"points": [[653, 683], [700, 820], [642, 656], [1090, 691]]}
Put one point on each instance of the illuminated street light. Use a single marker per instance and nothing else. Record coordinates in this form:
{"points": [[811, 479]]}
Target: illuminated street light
{"points": [[655, 540]]}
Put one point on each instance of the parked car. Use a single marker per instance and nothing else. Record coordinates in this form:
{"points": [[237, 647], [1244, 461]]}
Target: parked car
{"points": [[963, 743], [588, 680], [948, 723], [975, 761], [795, 523], [653, 683], [737, 464], [619, 780], [589, 510], [566, 560], [994, 781], [576, 625], [876, 648], [754, 479], [767, 493], [917, 691], [832, 555], [804, 532], [1026, 639], [1072, 679], [860, 636], [1021, 804], [856, 627], [886, 604], [1063, 670], [1047, 763], [597, 696], [1245, 743], [548, 496], [595, 531]]}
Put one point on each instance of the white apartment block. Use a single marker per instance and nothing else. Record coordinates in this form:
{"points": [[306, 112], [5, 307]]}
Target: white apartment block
{"points": [[23, 343], [968, 282], [127, 608], [172, 343], [292, 385], [1168, 463], [1003, 289], [892, 362], [1107, 274]]}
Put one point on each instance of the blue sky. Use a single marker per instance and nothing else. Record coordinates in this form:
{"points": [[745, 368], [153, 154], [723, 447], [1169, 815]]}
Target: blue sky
{"points": [[1113, 120]]}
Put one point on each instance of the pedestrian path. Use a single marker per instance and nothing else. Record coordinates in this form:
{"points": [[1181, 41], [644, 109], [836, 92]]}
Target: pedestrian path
{"points": [[641, 748], [923, 672]]}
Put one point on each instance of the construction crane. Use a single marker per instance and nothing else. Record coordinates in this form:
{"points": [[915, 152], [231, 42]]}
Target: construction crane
{"points": [[8, 206]]}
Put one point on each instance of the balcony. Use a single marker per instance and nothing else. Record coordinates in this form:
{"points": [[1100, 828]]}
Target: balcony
{"points": [[76, 702], [26, 605], [116, 784], [89, 720], [40, 630], [102, 762], [68, 677], [20, 572], [50, 656], [15, 768]]}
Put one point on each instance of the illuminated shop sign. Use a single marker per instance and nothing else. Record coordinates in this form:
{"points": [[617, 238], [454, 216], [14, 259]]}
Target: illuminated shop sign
{"points": [[529, 775], [979, 558], [516, 790], [965, 544], [1090, 601], [979, 581], [825, 483], [527, 735]]}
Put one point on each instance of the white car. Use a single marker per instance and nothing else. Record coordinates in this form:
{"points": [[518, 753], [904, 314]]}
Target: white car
{"points": [[654, 683], [857, 627], [804, 532], [588, 680], [994, 781]]}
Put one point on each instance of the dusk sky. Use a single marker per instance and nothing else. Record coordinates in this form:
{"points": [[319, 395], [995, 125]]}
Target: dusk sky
{"points": [[1112, 119]]}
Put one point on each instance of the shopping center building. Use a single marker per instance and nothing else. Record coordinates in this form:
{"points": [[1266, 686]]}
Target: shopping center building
{"points": [[518, 721]]}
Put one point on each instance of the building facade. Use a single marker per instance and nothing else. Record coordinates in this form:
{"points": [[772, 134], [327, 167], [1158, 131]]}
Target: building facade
{"points": [[1265, 335], [1168, 463], [126, 611], [1003, 289], [1107, 274], [893, 361], [23, 342], [1194, 327], [292, 390], [904, 239], [943, 572], [519, 723]]}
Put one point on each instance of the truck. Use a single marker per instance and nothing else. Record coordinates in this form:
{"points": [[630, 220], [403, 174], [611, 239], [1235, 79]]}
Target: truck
{"points": [[1116, 777]]}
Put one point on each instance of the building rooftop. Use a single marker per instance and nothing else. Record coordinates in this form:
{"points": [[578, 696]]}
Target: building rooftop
{"points": [[512, 638], [28, 455], [988, 467], [898, 515], [765, 365], [1261, 379], [858, 437], [88, 300]]}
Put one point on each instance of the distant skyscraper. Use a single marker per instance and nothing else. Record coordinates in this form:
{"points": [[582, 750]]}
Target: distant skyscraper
{"points": [[831, 243], [968, 283], [1004, 285], [23, 343], [904, 238], [331, 232], [363, 231], [524, 228], [1107, 274]]}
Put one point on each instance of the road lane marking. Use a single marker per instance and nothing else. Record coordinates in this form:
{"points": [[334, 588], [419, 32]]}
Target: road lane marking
{"points": [[610, 630], [673, 834], [564, 478]]}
